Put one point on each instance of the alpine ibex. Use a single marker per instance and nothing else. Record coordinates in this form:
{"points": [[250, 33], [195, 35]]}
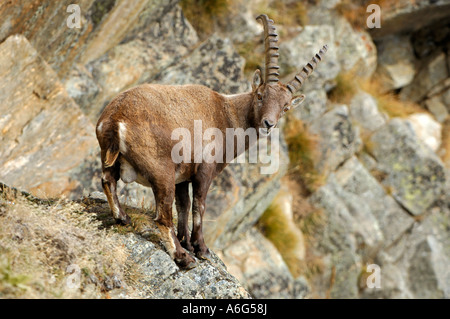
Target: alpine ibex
{"points": [[134, 133]]}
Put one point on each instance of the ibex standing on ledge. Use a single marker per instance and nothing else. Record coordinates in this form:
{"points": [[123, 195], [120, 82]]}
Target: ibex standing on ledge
{"points": [[134, 132]]}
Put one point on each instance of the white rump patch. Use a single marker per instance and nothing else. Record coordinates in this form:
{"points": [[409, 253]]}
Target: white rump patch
{"points": [[122, 135], [99, 128]]}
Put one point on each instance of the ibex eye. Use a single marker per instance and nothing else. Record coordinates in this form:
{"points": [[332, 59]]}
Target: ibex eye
{"points": [[259, 96]]}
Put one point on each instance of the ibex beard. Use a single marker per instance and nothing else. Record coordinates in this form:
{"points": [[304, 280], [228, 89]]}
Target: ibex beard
{"points": [[136, 137]]}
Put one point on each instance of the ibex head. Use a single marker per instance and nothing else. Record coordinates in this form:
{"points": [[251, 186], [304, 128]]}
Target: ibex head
{"points": [[272, 98]]}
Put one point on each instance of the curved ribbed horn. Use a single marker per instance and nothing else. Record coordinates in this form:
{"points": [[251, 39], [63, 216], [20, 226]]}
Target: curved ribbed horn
{"points": [[271, 48], [295, 84]]}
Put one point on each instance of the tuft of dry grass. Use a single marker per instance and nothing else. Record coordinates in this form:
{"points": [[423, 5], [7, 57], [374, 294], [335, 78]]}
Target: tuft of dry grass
{"points": [[56, 250], [310, 221], [204, 14], [303, 153], [353, 12], [253, 52], [346, 86], [276, 226], [290, 14], [389, 102], [444, 150]]}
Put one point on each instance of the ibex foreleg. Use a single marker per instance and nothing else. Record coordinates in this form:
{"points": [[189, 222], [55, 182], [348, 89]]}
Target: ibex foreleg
{"points": [[200, 189], [164, 196], [183, 204]]}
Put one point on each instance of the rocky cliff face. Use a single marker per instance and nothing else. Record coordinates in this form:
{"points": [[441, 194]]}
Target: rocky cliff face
{"points": [[75, 250], [381, 162]]}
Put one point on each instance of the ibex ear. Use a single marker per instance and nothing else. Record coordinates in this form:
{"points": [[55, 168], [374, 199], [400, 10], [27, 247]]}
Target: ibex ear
{"points": [[257, 80], [296, 101]]}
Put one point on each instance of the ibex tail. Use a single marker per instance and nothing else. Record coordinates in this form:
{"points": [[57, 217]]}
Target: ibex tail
{"points": [[112, 147]]}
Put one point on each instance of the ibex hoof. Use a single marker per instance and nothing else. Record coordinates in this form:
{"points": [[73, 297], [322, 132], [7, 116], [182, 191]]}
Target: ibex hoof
{"points": [[126, 220], [187, 245], [206, 255], [186, 263]]}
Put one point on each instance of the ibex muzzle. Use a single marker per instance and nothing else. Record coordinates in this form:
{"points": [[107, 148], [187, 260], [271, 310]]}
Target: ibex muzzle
{"points": [[134, 133]]}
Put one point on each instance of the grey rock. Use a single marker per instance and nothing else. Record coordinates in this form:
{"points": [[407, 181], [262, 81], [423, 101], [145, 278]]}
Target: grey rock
{"points": [[44, 133], [160, 277], [432, 72], [220, 66], [314, 106], [446, 97], [361, 221], [310, 39], [81, 87], [302, 288], [416, 266], [101, 27], [436, 106], [397, 16], [258, 265], [354, 49], [429, 256], [240, 194], [414, 172], [241, 26], [396, 61], [338, 138], [364, 110], [135, 61], [359, 212], [428, 271], [426, 129], [347, 267], [120, 22], [38, 22], [394, 284]]}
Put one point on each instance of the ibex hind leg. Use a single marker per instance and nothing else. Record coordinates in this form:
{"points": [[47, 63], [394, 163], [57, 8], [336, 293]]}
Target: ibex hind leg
{"points": [[110, 176]]}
